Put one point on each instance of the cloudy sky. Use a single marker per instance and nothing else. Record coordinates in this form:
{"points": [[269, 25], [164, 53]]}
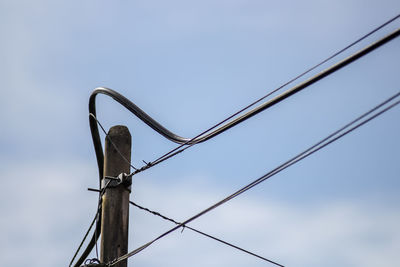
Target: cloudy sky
{"points": [[190, 64]]}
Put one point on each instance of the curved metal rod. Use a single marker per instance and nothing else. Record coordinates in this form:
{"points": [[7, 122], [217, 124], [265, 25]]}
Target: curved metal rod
{"points": [[181, 140]]}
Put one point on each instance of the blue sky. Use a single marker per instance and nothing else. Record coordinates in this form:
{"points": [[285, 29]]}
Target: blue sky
{"points": [[190, 64]]}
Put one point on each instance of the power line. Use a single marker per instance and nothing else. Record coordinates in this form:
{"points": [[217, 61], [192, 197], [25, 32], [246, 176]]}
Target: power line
{"points": [[83, 240], [202, 137], [204, 234], [95, 219], [276, 99], [190, 142], [165, 132], [318, 146]]}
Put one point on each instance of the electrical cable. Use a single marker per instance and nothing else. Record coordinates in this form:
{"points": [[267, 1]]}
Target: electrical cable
{"points": [[204, 234], [311, 150], [201, 137], [83, 240], [185, 141], [274, 100], [160, 159], [95, 219], [166, 133]]}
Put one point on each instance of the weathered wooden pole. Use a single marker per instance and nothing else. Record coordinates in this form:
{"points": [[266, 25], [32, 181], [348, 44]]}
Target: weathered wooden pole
{"points": [[115, 205]]}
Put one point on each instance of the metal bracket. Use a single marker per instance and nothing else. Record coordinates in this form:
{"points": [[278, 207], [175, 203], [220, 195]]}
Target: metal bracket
{"points": [[113, 182]]}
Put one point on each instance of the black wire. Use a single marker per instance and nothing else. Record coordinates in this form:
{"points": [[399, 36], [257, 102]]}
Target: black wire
{"points": [[100, 199], [276, 99], [189, 142], [204, 234], [318, 146], [165, 132], [153, 212], [95, 219], [83, 240], [201, 138], [89, 247]]}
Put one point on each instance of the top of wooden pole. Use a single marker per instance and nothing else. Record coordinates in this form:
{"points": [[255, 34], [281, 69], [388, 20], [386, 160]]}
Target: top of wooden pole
{"points": [[119, 130], [118, 151], [119, 134]]}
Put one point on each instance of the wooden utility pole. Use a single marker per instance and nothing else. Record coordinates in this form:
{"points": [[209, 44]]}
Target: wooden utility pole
{"points": [[115, 205]]}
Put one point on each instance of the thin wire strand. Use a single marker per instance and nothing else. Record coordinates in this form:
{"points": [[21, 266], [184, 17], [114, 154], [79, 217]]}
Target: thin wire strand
{"points": [[204, 234], [101, 193], [83, 240], [318, 146], [111, 141], [282, 86]]}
